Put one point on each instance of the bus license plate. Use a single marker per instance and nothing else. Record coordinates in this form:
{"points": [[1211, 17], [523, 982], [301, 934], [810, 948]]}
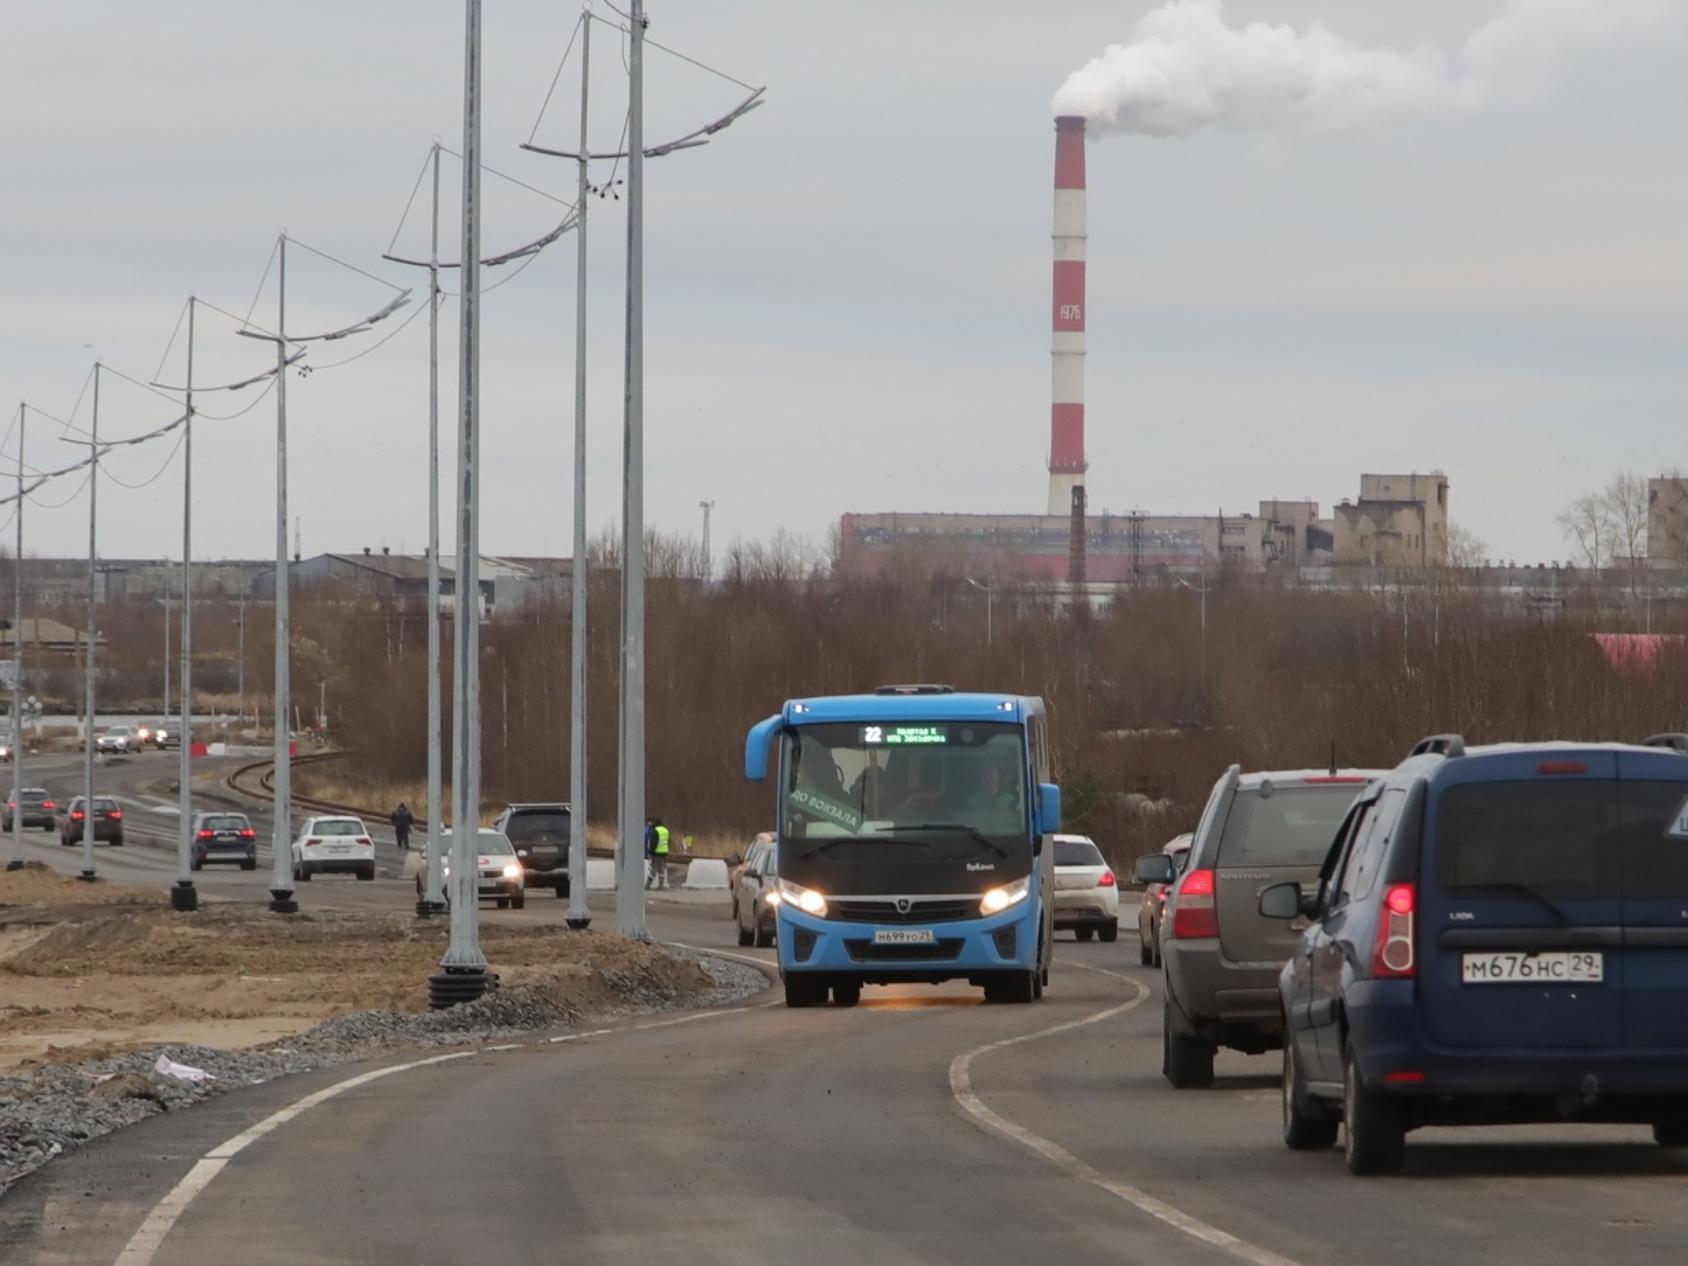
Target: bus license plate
{"points": [[903, 936], [1569, 967]]}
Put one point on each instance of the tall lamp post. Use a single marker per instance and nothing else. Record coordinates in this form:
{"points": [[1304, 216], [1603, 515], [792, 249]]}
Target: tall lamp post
{"points": [[17, 660], [990, 600]]}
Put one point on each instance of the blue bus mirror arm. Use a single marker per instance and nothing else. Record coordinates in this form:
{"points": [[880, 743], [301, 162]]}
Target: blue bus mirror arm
{"points": [[1048, 808], [756, 747]]}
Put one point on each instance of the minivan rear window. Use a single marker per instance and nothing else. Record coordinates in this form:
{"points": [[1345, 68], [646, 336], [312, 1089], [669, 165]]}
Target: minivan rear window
{"points": [[1293, 826], [1560, 838], [1077, 853]]}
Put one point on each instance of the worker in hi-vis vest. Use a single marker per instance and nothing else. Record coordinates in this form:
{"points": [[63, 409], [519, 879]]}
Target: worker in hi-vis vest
{"points": [[659, 855]]}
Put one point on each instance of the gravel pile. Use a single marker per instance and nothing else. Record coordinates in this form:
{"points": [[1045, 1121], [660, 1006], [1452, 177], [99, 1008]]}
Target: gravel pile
{"points": [[52, 1109]]}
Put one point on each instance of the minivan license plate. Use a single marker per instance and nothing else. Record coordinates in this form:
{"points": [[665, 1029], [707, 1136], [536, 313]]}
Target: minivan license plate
{"points": [[903, 936], [1570, 967]]}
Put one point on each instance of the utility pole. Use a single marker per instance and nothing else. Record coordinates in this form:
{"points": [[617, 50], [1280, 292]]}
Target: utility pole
{"points": [[432, 899], [708, 570], [88, 816], [630, 897], [17, 661], [240, 665], [579, 916], [281, 841], [165, 603], [463, 976], [990, 601], [184, 896]]}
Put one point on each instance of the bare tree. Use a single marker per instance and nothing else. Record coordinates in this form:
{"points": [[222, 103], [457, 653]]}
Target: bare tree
{"points": [[1587, 524], [1466, 548], [1625, 501]]}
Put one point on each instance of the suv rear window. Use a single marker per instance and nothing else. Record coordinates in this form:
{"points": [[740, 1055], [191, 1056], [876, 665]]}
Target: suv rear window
{"points": [[337, 826], [225, 822], [1077, 853], [1293, 826], [1656, 861], [1560, 838], [544, 826]]}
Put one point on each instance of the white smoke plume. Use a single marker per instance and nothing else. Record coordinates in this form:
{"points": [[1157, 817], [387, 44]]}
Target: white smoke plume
{"points": [[1186, 69]]}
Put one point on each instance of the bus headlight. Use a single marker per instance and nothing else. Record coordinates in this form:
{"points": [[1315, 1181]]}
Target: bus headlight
{"points": [[805, 899], [999, 899]]}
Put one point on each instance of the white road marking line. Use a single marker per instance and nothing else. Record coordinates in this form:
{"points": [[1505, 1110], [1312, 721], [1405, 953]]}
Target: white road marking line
{"points": [[961, 1086], [575, 1037], [145, 1243], [688, 1019], [507, 1046]]}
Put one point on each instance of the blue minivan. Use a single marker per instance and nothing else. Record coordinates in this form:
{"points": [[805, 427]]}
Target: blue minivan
{"points": [[1499, 935]]}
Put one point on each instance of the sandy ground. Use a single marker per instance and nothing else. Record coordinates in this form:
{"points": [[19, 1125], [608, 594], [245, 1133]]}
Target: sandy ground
{"points": [[90, 970]]}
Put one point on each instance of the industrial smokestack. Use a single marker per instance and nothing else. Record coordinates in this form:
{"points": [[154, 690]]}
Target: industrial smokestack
{"points": [[1066, 349]]}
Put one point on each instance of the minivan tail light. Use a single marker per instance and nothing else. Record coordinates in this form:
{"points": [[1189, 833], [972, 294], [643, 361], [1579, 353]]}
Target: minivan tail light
{"points": [[1395, 957], [1194, 916]]}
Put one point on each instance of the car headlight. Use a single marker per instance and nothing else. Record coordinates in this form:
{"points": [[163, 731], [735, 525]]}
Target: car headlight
{"points": [[521, 852], [771, 896], [999, 899], [512, 871], [805, 899]]}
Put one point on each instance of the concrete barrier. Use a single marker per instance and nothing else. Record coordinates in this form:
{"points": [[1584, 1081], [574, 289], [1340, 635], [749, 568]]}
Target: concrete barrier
{"points": [[600, 874], [707, 872]]}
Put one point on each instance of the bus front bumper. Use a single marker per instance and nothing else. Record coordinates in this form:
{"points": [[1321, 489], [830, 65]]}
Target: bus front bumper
{"points": [[887, 954]]}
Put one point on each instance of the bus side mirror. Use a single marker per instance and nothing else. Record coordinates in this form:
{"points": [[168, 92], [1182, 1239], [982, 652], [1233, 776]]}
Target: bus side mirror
{"points": [[756, 747], [1048, 808]]}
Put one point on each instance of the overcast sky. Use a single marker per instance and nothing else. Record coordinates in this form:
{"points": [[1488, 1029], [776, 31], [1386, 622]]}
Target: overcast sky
{"points": [[847, 292]]}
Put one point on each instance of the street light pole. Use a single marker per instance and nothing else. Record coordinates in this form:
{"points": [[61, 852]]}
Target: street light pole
{"points": [[165, 603], [432, 899], [630, 898], [184, 896], [579, 916], [990, 601], [88, 873], [17, 661], [464, 975], [240, 666]]}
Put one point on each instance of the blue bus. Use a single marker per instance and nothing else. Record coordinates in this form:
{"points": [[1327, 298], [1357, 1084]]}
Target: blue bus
{"points": [[913, 827]]}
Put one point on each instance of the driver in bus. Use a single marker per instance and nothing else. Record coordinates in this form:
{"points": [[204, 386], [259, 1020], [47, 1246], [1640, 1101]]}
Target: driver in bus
{"points": [[993, 799]]}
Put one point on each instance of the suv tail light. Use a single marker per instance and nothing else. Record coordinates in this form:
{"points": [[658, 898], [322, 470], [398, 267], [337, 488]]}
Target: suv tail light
{"points": [[1194, 917], [114, 814], [1395, 958], [48, 804], [312, 843], [364, 839], [248, 833], [206, 834], [76, 815], [1107, 879]]}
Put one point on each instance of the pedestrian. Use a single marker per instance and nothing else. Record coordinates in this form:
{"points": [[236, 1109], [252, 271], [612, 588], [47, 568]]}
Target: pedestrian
{"points": [[402, 819], [650, 851], [659, 854]]}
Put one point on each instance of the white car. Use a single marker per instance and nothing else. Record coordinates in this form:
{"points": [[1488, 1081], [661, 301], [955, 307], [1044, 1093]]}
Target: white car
{"points": [[119, 739], [1086, 891], [500, 877], [327, 845]]}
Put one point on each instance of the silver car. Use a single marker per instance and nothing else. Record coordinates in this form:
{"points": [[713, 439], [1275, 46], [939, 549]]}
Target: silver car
{"points": [[1086, 892], [1222, 956]]}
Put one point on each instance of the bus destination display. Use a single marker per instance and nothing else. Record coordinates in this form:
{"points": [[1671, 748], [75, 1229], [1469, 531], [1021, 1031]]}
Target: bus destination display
{"points": [[904, 735]]}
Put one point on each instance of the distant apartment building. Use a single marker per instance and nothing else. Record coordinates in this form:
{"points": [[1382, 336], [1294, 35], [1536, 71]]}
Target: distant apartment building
{"points": [[1399, 521], [1667, 521]]}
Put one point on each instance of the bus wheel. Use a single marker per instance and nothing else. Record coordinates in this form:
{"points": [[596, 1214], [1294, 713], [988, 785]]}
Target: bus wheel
{"points": [[800, 991], [1016, 987]]}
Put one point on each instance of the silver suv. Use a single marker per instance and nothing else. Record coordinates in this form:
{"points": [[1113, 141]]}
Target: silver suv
{"points": [[1221, 955]]}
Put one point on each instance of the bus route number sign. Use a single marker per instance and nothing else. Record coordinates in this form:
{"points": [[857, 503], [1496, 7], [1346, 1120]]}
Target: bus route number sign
{"points": [[904, 735]]}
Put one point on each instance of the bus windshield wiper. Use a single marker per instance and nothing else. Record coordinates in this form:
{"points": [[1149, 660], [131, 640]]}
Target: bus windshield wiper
{"points": [[836, 840], [1518, 885], [972, 832]]}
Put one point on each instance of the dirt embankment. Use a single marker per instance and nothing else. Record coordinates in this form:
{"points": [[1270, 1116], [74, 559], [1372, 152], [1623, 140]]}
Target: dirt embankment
{"points": [[92, 970]]}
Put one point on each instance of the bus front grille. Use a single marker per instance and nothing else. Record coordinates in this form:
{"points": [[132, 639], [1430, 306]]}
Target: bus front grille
{"points": [[944, 910]]}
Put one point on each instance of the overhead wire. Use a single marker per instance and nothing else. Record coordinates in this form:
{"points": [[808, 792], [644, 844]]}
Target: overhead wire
{"points": [[353, 267], [545, 105], [155, 477], [562, 202], [180, 317], [59, 505], [258, 293], [414, 190], [311, 367]]}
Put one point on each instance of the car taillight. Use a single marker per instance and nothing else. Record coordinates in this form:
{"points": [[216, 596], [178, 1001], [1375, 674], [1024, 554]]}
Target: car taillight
{"points": [[312, 843], [1107, 879], [1394, 958], [205, 835], [247, 833], [1194, 917], [76, 815], [114, 814], [48, 804], [364, 839]]}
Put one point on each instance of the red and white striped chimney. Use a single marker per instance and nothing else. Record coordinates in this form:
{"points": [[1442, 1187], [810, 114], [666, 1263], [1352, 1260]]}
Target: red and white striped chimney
{"points": [[1066, 420]]}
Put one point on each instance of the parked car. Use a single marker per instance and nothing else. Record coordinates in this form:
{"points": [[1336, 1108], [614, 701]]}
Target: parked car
{"points": [[1153, 902], [108, 822], [1498, 936], [38, 810], [1221, 955], [224, 837], [540, 835], [752, 859], [327, 845], [5, 749], [756, 899], [1086, 892], [118, 740], [499, 875]]}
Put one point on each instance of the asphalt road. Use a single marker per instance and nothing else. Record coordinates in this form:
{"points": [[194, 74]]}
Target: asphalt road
{"points": [[892, 1133]]}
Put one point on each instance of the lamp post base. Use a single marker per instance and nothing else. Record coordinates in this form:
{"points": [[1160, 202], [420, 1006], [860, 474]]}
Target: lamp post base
{"points": [[184, 896], [459, 984], [578, 922], [15, 864], [89, 877], [281, 901], [424, 908]]}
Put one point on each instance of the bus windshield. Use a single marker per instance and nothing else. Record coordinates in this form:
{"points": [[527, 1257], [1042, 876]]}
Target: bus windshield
{"points": [[904, 781]]}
